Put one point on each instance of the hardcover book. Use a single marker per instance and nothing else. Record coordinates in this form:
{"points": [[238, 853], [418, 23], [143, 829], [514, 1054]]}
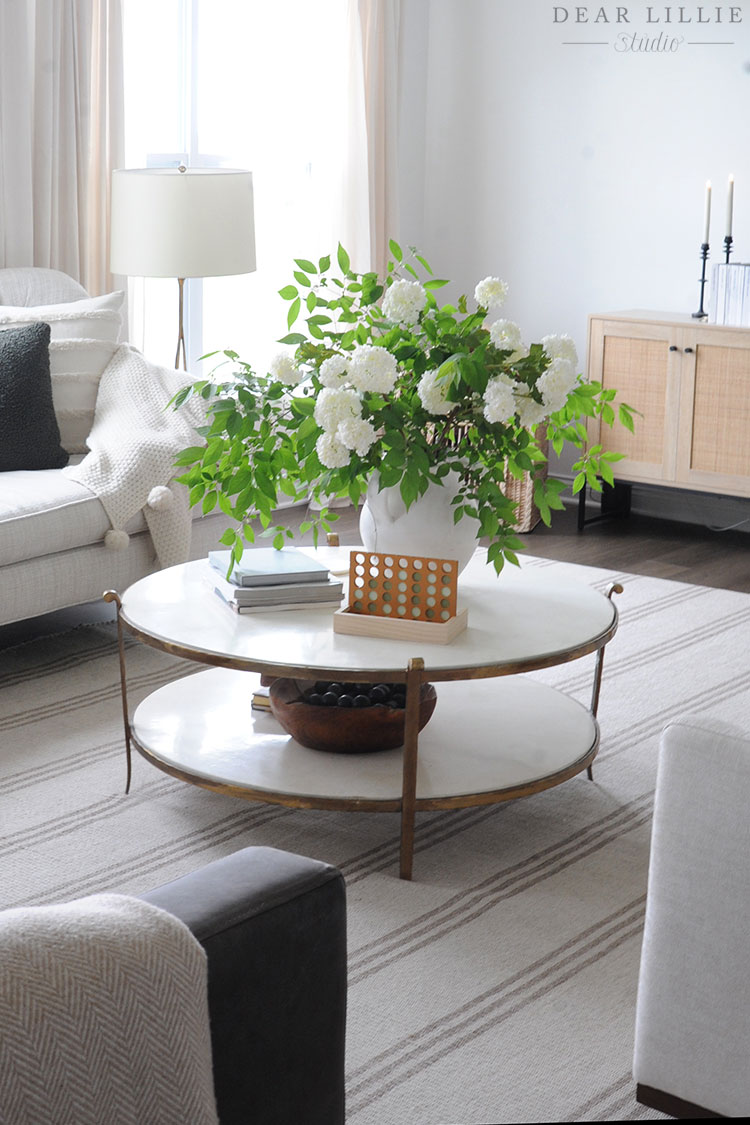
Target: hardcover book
{"points": [[265, 566], [332, 603], [329, 590]]}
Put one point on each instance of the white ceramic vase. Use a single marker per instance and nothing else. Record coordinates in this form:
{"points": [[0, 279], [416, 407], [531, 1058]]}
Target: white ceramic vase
{"points": [[427, 528]]}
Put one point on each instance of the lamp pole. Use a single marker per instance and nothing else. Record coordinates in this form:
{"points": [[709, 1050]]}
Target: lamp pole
{"points": [[181, 327]]}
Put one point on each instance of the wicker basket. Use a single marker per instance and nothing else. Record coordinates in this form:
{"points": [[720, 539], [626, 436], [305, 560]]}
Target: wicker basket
{"points": [[522, 492]]}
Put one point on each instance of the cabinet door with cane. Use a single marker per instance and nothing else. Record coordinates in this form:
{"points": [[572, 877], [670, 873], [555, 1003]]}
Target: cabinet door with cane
{"points": [[690, 383]]}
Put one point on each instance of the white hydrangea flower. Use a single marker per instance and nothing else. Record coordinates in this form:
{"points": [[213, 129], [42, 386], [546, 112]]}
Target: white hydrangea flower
{"points": [[556, 383], [283, 368], [560, 347], [529, 411], [357, 434], [506, 336], [333, 371], [334, 406], [432, 391], [490, 292], [404, 301], [554, 400], [372, 369], [499, 399], [333, 453]]}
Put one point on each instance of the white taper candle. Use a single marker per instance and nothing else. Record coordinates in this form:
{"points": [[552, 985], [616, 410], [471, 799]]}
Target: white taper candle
{"points": [[707, 224]]}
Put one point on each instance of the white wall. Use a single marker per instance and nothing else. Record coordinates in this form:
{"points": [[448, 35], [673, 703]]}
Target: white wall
{"points": [[577, 173]]}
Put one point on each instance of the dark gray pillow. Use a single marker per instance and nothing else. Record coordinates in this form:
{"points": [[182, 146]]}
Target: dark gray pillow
{"points": [[29, 434]]}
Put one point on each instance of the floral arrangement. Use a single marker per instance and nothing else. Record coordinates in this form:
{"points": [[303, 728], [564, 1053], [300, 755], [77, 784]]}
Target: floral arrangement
{"points": [[383, 379]]}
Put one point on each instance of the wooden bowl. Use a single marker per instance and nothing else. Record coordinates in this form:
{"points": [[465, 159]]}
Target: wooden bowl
{"points": [[343, 730]]}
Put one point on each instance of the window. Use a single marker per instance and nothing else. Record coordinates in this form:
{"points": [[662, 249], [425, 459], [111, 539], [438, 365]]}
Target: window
{"points": [[245, 84]]}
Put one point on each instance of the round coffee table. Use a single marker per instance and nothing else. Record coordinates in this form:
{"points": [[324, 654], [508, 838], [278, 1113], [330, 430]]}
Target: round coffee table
{"points": [[491, 739]]}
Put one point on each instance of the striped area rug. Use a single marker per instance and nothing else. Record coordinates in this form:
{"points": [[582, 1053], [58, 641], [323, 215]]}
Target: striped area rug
{"points": [[498, 986]]}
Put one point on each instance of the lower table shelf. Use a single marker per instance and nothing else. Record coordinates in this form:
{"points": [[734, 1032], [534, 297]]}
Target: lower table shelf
{"points": [[488, 740]]}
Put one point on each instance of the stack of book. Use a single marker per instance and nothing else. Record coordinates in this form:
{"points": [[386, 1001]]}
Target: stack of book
{"points": [[266, 579], [260, 700], [729, 296]]}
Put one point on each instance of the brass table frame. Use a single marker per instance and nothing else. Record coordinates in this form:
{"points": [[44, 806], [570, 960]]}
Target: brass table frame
{"points": [[413, 676]]}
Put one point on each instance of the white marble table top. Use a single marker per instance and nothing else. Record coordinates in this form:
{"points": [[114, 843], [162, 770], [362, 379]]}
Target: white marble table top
{"points": [[520, 617]]}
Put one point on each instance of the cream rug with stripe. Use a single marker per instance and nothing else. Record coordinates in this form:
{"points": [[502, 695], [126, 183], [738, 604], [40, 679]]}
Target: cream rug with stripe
{"points": [[498, 986]]}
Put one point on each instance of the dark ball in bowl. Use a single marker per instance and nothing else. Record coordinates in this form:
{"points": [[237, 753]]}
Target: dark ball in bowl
{"points": [[359, 729]]}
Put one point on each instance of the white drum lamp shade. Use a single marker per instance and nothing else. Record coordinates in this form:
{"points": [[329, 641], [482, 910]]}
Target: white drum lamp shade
{"points": [[172, 223], [182, 222]]}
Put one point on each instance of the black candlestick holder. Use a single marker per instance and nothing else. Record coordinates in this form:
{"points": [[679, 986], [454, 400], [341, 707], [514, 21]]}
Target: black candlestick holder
{"points": [[704, 255], [727, 247]]}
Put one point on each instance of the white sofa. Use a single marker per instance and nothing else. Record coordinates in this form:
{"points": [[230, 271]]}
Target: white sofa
{"points": [[52, 528], [692, 1036]]}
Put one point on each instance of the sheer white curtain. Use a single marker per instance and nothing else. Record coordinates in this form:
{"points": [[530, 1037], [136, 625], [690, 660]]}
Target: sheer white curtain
{"points": [[303, 93], [370, 190], [245, 84], [61, 133]]}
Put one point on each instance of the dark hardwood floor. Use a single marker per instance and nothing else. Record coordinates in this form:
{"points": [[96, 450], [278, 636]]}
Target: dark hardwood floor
{"points": [[643, 545]]}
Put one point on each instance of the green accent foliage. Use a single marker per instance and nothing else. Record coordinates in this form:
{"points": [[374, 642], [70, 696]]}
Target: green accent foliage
{"points": [[625, 414], [343, 259], [187, 456], [293, 312]]}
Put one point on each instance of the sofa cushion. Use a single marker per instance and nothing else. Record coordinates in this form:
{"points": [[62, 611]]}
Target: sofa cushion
{"points": [[65, 578], [33, 285], [76, 367], [29, 434], [95, 318], [46, 512]]}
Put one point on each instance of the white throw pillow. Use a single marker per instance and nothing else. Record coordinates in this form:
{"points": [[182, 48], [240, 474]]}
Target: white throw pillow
{"points": [[76, 367], [33, 285], [95, 318]]}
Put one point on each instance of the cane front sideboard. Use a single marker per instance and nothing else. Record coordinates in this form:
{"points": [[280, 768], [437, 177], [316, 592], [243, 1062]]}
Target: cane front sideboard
{"points": [[690, 382]]}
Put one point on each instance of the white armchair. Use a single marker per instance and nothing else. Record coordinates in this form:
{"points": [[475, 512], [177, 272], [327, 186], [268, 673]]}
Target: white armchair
{"points": [[692, 1038]]}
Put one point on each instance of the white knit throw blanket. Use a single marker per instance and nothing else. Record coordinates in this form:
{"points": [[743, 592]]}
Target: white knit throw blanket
{"points": [[133, 445], [103, 1017]]}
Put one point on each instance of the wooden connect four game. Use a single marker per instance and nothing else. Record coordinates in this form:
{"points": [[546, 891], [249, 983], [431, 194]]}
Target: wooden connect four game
{"points": [[402, 587], [401, 597]]}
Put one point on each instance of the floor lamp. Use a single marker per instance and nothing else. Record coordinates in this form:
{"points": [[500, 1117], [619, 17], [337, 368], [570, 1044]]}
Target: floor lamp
{"points": [[182, 222]]}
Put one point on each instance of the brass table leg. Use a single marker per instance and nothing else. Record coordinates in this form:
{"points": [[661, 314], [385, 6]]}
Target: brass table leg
{"points": [[409, 785], [113, 596], [615, 588]]}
